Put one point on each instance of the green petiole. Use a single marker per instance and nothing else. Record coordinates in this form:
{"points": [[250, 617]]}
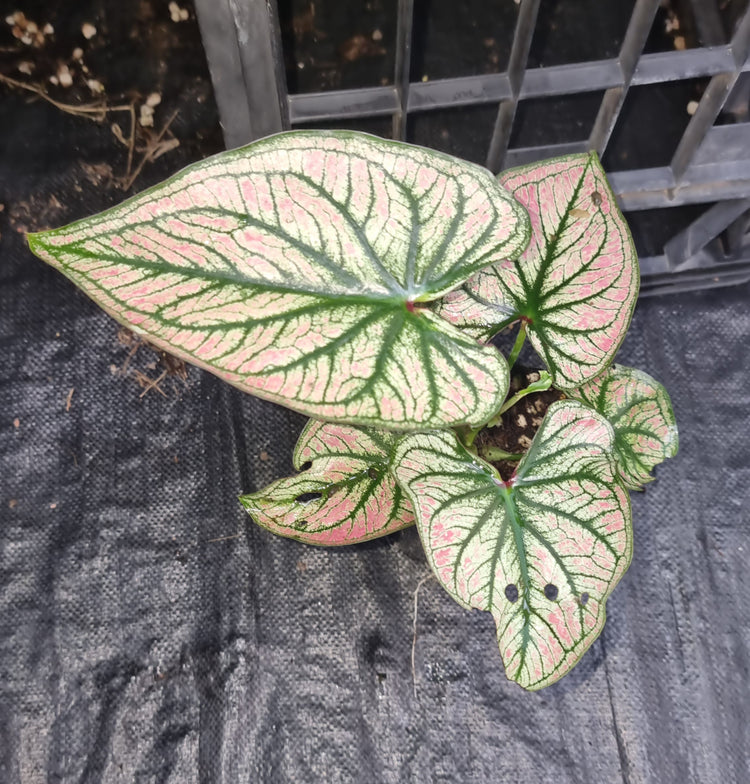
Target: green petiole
{"points": [[518, 345], [544, 383], [494, 453]]}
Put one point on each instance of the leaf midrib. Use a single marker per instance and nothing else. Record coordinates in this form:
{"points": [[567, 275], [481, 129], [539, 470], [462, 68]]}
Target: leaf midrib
{"points": [[235, 280]]}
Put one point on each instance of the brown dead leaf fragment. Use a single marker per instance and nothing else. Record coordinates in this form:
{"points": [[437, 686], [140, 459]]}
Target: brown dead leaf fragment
{"points": [[173, 366], [27, 31]]}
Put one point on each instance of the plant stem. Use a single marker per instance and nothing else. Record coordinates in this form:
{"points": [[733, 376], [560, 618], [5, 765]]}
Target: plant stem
{"points": [[518, 345], [491, 453], [467, 436], [544, 383]]}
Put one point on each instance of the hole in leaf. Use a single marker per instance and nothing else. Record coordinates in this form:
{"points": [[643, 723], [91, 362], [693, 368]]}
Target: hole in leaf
{"points": [[511, 592], [306, 466], [373, 473], [305, 498], [550, 591], [584, 598]]}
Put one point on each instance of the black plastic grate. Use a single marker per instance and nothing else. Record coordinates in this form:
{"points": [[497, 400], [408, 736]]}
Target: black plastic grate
{"points": [[710, 164]]}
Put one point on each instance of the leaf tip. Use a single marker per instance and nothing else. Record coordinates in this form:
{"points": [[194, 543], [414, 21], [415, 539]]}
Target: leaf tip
{"points": [[246, 502], [35, 241], [40, 245]]}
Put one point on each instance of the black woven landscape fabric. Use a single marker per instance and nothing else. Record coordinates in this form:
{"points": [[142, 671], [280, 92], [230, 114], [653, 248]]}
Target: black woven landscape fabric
{"points": [[150, 632]]}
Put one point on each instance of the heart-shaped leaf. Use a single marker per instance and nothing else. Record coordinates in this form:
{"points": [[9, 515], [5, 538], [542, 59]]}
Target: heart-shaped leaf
{"points": [[294, 268], [346, 495], [541, 552], [577, 282], [640, 411]]}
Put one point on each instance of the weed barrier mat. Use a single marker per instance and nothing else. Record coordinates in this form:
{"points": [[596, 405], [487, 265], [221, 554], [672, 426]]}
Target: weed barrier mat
{"points": [[150, 632]]}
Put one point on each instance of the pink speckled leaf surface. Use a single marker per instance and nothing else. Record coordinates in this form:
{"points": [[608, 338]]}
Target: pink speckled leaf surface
{"points": [[344, 492], [541, 553], [640, 411], [577, 281], [296, 269]]}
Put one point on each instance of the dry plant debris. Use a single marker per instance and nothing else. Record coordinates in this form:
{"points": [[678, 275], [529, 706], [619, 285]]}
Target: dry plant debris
{"points": [[178, 14], [74, 76], [154, 359]]}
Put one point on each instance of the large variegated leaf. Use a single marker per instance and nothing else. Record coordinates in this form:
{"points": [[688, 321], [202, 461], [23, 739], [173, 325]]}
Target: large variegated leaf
{"points": [[577, 282], [294, 268], [640, 411], [541, 552], [345, 495]]}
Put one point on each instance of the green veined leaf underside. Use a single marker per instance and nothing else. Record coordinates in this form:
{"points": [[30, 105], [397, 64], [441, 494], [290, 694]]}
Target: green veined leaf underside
{"points": [[576, 282], [640, 412], [294, 268], [541, 553], [346, 495]]}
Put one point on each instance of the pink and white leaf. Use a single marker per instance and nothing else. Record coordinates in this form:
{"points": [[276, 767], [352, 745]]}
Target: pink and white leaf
{"points": [[640, 411], [541, 552], [576, 283], [345, 495], [472, 316], [295, 268]]}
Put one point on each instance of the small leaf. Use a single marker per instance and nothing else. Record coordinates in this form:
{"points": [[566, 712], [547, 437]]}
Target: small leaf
{"points": [[347, 494], [541, 552], [576, 283], [475, 318], [640, 411], [295, 268]]}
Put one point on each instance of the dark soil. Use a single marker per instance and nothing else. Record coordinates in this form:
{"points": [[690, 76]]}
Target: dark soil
{"points": [[519, 423], [69, 75], [100, 100]]}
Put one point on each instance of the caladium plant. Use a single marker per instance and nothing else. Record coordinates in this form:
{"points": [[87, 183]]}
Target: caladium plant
{"points": [[361, 282]]}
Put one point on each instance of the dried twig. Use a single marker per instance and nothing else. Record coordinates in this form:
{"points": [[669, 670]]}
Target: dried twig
{"points": [[148, 383], [223, 538], [153, 150], [91, 111], [131, 140], [127, 338], [98, 112]]}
